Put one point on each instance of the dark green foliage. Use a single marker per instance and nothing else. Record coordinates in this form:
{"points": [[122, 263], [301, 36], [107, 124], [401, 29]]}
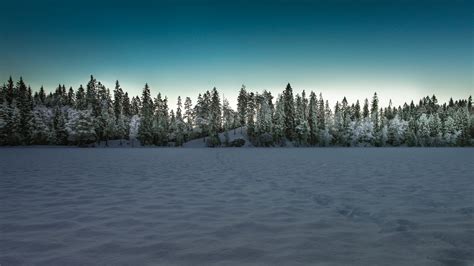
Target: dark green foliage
{"points": [[213, 141], [88, 115], [237, 143]]}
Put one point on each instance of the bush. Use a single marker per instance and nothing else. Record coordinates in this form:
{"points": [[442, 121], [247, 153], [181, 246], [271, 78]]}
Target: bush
{"points": [[237, 143], [213, 141], [266, 140]]}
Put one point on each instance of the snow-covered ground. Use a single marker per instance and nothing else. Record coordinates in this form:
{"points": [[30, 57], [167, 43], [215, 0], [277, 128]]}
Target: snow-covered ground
{"points": [[149, 206]]}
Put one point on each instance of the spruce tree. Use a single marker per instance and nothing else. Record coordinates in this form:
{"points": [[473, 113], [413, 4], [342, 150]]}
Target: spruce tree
{"points": [[374, 113], [242, 106], [251, 111], [279, 121], [145, 130], [81, 102], [356, 111], [10, 91], [59, 125], [313, 119], [188, 116], [289, 108], [5, 116], [126, 106], [70, 98], [179, 124], [25, 103], [118, 101], [215, 113], [321, 113]]}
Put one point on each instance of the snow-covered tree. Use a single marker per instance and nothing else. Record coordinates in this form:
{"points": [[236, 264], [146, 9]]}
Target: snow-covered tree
{"points": [[279, 121], [134, 126], [242, 106], [42, 123], [313, 119], [145, 130], [423, 135], [397, 129], [289, 109]]}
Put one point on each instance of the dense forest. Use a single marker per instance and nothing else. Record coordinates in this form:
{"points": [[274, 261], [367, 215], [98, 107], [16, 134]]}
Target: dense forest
{"points": [[89, 115]]}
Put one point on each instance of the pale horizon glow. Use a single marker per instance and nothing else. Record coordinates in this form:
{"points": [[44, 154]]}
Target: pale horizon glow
{"points": [[401, 50]]}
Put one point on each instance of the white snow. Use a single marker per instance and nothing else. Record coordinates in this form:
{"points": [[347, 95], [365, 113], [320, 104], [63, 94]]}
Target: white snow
{"points": [[309, 206]]}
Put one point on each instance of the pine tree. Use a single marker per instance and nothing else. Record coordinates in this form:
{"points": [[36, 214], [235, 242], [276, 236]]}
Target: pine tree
{"points": [[14, 125], [136, 105], [134, 127], [337, 131], [126, 106], [321, 113], [145, 130], [41, 127], [242, 106], [326, 137], [423, 135], [356, 108], [251, 110], [201, 111], [227, 120], [91, 96], [41, 97], [81, 102], [397, 129], [365, 112], [85, 128], [313, 119], [436, 134], [264, 123], [71, 97], [451, 134], [5, 114], [289, 108], [118, 101], [374, 115], [25, 104], [215, 113], [161, 121], [302, 127], [10, 91], [279, 121], [179, 124], [59, 126], [188, 116]]}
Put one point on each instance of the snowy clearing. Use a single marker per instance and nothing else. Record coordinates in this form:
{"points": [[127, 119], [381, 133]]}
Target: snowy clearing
{"points": [[149, 206]]}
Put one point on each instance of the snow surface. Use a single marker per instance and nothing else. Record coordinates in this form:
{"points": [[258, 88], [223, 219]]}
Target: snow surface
{"points": [[149, 206]]}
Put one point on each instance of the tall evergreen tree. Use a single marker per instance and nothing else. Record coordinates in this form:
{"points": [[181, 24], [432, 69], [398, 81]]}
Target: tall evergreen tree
{"points": [[81, 101], [365, 112], [126, 106], [289, 107], [145, 130], [242, 106], [313, 119], [216, 113], [25, 103], [188, 116]]}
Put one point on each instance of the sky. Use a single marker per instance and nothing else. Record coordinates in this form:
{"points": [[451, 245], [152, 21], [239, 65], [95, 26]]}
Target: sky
{"points": [[402, 50]]}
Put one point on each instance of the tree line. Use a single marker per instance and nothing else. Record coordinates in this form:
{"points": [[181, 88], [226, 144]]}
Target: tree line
{"points": [[91, 114]]}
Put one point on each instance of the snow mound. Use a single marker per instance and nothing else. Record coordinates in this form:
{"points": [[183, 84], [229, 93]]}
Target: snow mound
{"points": [[238, 133], [118, 143]]}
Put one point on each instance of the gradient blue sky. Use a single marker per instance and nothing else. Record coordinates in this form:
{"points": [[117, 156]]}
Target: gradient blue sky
{"points": [[401, 49]]}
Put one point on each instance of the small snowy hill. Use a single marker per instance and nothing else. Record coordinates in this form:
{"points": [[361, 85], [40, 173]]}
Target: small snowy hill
{"points": [[238, 133], [118, 143]]}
